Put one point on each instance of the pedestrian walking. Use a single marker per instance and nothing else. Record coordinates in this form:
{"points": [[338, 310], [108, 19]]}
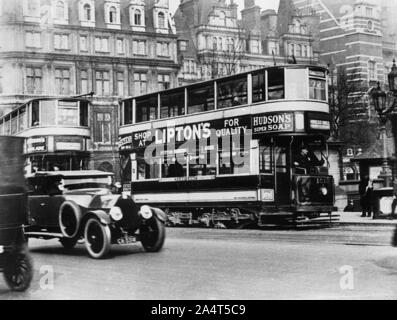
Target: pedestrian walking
{"points": [[394, 203], [366, 196]]}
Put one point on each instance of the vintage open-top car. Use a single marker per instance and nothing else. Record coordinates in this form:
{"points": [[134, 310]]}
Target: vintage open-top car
{"points": [[75, 205]]}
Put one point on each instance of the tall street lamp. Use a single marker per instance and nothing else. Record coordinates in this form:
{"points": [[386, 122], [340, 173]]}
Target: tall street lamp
{"points": [[384, 104]]}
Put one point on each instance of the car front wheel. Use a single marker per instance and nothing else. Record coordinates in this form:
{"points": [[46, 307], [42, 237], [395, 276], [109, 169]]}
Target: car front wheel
{"points": [[152, 234], [97, 238], [18, 271]]}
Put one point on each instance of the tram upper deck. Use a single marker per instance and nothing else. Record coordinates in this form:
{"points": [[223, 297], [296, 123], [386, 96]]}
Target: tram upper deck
{"points": [[299, 91]]}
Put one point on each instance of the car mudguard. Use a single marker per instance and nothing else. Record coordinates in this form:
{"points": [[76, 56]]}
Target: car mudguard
{"points": [[160, 214], [101, 215]]}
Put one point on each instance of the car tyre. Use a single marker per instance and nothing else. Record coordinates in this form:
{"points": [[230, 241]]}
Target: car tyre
{"points": [[97, 238], [152, 235], [18, 271], [68, 243]]}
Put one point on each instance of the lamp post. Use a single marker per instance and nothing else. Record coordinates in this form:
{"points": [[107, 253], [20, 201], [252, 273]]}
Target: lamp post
{"points": [[384, 104]]}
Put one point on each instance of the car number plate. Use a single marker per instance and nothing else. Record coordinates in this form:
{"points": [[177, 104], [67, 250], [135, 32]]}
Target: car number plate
{"points": [[1, 249], [126, 240]]}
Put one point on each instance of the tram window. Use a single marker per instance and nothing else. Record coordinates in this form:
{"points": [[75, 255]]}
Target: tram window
{"points": [[265, 159], [275, 84], [14, 122], [200, 165], [281, 159], [172, 104], [84, 113], [235, 162], [259, 87], [48, 116], [201, 98], [232, 92], [35, 113], [68, 113], [317, 89], [146, 108], [174, 169], [147, 171], [127, 109]]}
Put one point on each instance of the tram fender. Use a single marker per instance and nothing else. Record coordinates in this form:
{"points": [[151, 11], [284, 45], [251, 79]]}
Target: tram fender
{"points": [[160, 214]]}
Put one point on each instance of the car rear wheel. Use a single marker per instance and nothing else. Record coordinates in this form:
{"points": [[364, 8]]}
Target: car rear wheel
{"points": [[68, 243], [152, 234], [18, 271], [97, 238]]}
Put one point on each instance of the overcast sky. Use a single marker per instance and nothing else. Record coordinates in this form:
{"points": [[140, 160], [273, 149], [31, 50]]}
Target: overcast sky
{"points": [[264, 4]]}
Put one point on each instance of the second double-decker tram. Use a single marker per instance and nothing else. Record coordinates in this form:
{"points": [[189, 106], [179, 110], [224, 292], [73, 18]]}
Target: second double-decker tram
{"points": [[225, 149]]}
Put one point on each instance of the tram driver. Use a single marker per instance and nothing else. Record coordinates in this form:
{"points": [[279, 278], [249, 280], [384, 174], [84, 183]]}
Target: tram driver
{"points": [[305, 160]]}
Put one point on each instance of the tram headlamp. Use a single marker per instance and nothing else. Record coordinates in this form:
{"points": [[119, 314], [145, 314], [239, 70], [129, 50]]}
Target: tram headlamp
{"points": [[324, 191], [116, 214], [146, 212]]}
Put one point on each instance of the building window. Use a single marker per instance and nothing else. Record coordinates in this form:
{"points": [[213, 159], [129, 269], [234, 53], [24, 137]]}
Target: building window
{"points": [[101, 44], [33, 39], [120, 83], [137, 17], [372, 70], [33, 80], [61, 41], [1, 83], [87, 12], [33, 8], [62, 81], [120, 46], [163, 81], [103, 133], [231, 47], [161, 20], [182, 45], [255, 46], [298, 50], [368, 12], [291, 48], [84, 81], [102, 83], [60, 10], [163, 49], [189, 66], [140, 83], [139, 47], [112, 15], [83, 43]]}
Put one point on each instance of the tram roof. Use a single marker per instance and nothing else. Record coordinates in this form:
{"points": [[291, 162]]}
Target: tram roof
{"points": [[75, 173], [285, 66]]}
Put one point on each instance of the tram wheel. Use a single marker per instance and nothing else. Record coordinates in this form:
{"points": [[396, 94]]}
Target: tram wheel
{"points": [[18, 271], [152, 235]]}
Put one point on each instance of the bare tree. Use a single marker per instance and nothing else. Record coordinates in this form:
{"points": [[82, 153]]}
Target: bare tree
{"points": [[224, 60], [346, 101]]}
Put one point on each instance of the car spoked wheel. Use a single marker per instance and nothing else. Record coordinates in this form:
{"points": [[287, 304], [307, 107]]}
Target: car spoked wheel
{"points": [[152, 234], [18, 271], [97, 238], [68, 243]]}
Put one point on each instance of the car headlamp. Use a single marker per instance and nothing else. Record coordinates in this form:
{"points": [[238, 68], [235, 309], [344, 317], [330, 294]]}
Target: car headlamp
{"points": [[146, 212], [116, 214], [324, 191]]}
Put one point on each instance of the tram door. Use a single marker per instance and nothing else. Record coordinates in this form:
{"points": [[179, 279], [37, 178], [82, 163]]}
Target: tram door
{"points": [[282, 174]]}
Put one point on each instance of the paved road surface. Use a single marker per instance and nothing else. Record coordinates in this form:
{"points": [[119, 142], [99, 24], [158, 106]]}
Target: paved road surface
{"points": [[224, 264]]}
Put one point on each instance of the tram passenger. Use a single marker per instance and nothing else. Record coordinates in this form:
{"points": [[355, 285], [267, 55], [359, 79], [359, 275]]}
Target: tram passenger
{"points": [[306, 160]]}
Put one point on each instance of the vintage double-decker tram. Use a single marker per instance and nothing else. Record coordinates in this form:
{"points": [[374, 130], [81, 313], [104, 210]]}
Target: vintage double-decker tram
{"points": [[223, 150]]}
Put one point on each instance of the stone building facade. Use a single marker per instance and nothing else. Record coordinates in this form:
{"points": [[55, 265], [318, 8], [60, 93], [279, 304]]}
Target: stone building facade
{"points": [[214, 42], [113, 48]]}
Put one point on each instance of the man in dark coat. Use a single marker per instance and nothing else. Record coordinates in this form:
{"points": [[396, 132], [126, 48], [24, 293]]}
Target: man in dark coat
{"points": [[306, 159], [394, 203], [366, 189]]}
